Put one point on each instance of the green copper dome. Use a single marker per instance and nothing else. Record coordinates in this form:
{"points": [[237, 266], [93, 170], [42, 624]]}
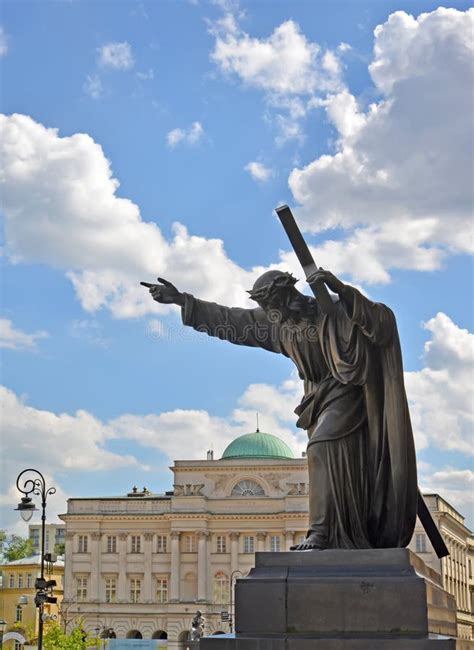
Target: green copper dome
{"points": [[257, 445]]}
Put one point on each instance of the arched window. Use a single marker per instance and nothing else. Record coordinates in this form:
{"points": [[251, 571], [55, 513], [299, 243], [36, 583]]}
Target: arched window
{"points": [[159, 634], [221, 588], [134, 634], [189, 588], [248, 488]]}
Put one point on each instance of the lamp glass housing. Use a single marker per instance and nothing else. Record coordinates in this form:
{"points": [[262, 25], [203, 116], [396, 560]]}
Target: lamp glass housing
{"points": [[26, 508]]}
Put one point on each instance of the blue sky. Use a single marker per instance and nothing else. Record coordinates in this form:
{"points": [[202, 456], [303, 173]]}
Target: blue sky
{"points": [[156, 138]]}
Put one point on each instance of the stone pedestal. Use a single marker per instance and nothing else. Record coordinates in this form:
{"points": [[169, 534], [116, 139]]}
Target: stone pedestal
{"points": [[381, 599]]}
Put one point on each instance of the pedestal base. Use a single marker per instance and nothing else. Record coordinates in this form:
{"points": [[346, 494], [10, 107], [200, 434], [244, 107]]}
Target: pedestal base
{"points": [[340, 600]]}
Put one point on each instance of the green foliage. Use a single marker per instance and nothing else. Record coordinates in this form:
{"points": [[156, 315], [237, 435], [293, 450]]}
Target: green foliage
{"points": [[14, 547], [60, 549], [56, 639]]}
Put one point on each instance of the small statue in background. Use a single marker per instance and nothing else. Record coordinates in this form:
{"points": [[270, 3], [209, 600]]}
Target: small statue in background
{"points": [[197, 626]]}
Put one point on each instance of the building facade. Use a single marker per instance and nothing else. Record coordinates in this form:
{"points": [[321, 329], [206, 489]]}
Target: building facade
{"points": [[457, 568], [54, 537], [142, 564], [17, 595]]}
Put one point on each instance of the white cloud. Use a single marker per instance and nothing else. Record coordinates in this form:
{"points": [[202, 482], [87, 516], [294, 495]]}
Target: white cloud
{"points": [[3, 41], [405, 162], [72, 442], [190, 136], [61, 209], [90, 331], [441, 403], [15, 339], [258, 171], [116, 55], [454, 485], [285, 66], [93, 86]]}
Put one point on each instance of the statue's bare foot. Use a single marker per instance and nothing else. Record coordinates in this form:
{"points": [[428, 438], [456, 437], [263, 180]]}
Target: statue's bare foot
{"points": [[312, 543]]}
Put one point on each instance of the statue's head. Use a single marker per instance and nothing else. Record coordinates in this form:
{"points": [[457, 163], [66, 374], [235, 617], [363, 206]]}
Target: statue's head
{"points": [[270, 284], [275, 290]]}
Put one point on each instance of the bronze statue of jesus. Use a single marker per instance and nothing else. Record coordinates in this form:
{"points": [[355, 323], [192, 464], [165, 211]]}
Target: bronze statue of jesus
{"points": [[361, 457]]}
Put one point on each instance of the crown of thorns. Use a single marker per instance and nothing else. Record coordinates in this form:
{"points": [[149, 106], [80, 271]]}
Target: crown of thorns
{"points": [[268, 291]]}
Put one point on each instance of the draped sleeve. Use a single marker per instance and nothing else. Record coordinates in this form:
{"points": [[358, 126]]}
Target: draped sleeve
{"points": [[249, 327]]}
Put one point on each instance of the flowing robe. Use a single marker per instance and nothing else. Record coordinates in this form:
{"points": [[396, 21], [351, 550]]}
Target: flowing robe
{"points": [[363, 485]]}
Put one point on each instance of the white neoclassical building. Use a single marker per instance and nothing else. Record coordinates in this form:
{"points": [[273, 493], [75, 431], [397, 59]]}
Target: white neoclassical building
{"points": [[143, 564]]}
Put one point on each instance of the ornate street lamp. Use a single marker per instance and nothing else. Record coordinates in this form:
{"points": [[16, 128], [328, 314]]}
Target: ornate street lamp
{"points": [[26, 508]]}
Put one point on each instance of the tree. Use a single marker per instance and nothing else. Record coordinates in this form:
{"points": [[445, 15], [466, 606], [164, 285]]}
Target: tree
{"points": [[56, 639], [14, 547], [60, 548]]}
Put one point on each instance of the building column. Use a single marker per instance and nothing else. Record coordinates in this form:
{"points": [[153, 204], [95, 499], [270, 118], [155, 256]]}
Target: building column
{"points": [[202, 565], [95, 566], [234, 552], [68, 560], [289, 539], [147, 577], [261, 537], [122, 576], [175, 562]]}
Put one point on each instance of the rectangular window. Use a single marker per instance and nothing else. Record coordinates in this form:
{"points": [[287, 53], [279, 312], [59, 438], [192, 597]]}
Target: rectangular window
{"points": [[110, 590], [136, 545], [190, 544], [275, 543], [29, 581], [249, 544], [161, 544], [470, 568], [20, 581], [81, 589], [19, 614], [135, 590], [162, 590], [420, 540], [221, 544], [83, 543], [111, 544], [11, 581]]}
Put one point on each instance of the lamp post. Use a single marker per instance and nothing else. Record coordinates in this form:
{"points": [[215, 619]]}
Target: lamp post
{"points": [[26, 508], [233, 577]]}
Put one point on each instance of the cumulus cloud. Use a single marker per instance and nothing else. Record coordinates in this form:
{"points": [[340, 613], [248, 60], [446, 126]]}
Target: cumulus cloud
{"points": [[405, 163], [190, 136], [61, 209], [258, 171], [286, 66], [441, 405], [14, 339], [453, 484], [116, 55], [92, 86], [3, 41]]}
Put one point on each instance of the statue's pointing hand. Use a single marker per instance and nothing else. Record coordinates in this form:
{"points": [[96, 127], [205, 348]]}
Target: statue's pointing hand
{"points": [[165, 292]]}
